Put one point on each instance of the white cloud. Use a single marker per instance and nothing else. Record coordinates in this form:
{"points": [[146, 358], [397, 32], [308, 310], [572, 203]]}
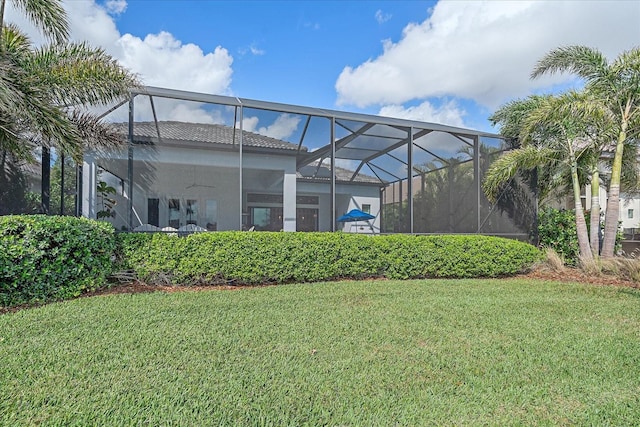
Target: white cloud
{"points": [[161, 60], [116, 7], [283, 127], [448, 114], [92, 23], [191, 114], [249, 124], [382, 17], [485, 50], [252, 49], [158, 59], [311, 25], [255, 51]]}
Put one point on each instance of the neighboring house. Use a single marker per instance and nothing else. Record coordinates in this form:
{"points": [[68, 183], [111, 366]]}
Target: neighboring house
{"points": [[629, 214]]}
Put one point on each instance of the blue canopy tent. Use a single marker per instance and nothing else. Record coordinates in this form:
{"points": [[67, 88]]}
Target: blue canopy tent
{"points": [[355, 215]]}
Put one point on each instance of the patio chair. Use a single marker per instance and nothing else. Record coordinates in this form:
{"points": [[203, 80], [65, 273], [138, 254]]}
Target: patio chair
{"points": [[189, 229], [146, 228]]}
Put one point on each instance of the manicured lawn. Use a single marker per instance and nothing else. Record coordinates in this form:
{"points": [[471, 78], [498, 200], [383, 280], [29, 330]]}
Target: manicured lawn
{"points": [[461, 352]]}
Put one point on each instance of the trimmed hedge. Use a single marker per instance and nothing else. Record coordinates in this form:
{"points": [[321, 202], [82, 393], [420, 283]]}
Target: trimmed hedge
{"points": [[45, 258], [264, 257]]}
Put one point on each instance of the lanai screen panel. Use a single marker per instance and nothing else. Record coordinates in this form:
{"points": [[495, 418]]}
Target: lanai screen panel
{"points": [[396, 194], [271, 141], [428, 175], [290, 179], [63, 185], [376, 152], [198, 171], [445, 194], [177, 182], [514, 212]]}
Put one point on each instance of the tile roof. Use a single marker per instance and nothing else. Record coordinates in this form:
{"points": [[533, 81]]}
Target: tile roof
{"points": [[184, 132], [313, 173], [200, 132]]}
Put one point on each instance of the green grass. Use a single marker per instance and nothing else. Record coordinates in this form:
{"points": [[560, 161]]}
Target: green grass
{"points": [[461, 352]]}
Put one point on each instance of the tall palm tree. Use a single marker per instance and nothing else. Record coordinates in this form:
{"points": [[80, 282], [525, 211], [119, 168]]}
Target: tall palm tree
{"points": [[615, 88]]}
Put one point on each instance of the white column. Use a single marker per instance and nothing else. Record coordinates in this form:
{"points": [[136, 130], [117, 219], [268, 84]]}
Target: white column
{"points": [[289, 201], [89, 174]]}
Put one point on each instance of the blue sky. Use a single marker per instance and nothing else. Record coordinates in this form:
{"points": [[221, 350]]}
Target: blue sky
{"points": [[450, 62], [284, 51]]}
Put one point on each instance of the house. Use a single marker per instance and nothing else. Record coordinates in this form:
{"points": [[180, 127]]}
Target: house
{"points": [[213, 162], [191, 175]]}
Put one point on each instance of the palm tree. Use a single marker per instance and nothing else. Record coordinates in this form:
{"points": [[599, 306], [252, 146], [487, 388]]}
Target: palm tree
{"points": [[553, 139], [47, 15], [615, 90], [45, 91]]}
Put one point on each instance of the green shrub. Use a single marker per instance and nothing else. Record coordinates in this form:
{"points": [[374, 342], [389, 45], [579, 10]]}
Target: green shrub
{"points": [[557, 230], [263, 257], [44, 258]]}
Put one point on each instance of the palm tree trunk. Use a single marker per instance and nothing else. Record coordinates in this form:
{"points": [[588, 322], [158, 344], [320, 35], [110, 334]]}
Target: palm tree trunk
{"points": [[2, 3], [2, 168], [613, 203], [581, 224], [594, 234]]}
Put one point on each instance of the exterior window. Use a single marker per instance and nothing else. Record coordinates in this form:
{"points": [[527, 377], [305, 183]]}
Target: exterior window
{"points": [[630, 213], [192, 211], [366, 208], [174, 213], [266, 219], [211, 213], [153, 212]]}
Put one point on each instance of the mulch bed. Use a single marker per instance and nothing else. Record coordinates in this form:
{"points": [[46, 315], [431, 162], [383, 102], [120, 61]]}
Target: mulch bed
{"points": [[135, 287], [566, 275], [575, 275]]}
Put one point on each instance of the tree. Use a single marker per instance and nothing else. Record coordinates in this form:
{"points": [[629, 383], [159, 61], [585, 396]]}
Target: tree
{"points": [[106, 202], [45, 91], [614, 89], [63, 186], [552, 138]]}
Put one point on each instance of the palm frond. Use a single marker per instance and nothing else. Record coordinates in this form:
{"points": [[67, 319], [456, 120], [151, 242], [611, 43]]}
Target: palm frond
{"points": [[508, 165], [95, 133], [10, 94], [78, 74], [625, 71], [15, 42], [571, 118], [630, 175], [511, 115], [49, 16], [585, 62]]}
